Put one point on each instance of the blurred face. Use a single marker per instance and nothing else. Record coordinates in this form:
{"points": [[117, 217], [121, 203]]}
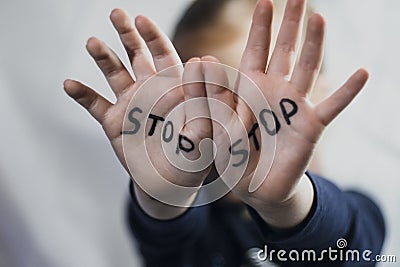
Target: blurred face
{"points": [[236, 17], [234, 24], [234, 21]]}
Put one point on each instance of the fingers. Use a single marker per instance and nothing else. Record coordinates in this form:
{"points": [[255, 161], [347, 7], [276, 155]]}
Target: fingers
{"points": [[339, 100], [307, 69], [115, 72], [195, 99], [89, 99], [161, 48], [255, 56], [217, 85], [133, 43], [286, 42]]}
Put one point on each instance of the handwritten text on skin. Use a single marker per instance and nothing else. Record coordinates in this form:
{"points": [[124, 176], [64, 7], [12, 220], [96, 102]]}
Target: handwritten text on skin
{"points": [[288, 109]]}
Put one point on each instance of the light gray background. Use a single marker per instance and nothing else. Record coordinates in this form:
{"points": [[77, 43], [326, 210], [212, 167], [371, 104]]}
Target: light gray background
{"points": [[62, 191]]}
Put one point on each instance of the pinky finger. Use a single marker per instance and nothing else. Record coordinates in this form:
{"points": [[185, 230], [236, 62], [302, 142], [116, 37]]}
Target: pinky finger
{"points": [[94, 103], [331, 107]]}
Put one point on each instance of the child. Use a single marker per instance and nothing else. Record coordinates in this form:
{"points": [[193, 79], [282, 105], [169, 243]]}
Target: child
{"points": [[291, 209]]}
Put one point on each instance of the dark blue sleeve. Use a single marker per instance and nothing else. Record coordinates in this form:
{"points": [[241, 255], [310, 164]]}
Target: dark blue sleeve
{"points": [[350, 217], [162, 242]]}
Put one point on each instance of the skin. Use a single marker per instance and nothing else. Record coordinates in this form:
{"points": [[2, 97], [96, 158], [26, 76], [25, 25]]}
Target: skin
{"points": [[285, 197]]}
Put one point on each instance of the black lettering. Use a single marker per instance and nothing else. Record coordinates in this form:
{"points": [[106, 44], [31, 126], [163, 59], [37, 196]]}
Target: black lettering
{"points": [[243, 152], [135, 121], [182, 147], [154, 124], [168, 138], [271, 132], [285, 113], [252, 133]]}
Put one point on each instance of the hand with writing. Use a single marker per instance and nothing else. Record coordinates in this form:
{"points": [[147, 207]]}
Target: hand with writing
{"points": [[138, 40], [284, 197]]}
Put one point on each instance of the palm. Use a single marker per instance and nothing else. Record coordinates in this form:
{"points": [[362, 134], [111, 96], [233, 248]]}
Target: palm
{"points": [[294, 143], [300, 123], [149, 95]]}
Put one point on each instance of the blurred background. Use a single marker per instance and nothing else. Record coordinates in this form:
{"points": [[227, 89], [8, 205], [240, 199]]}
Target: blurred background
{"points": [[63, 192]]}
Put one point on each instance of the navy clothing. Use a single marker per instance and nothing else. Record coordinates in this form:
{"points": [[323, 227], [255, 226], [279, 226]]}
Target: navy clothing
{"points": [[227, 234]]}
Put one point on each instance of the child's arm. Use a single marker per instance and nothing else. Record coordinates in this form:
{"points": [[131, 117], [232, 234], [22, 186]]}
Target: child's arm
{"points": [[293, 209], [164, 242], [287, 125]]}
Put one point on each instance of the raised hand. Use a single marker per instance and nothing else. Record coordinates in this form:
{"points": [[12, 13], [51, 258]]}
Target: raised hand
{"points": [[288, 121], [148, 95]]}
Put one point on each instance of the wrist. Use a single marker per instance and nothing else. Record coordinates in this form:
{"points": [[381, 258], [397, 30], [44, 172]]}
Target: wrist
{"points": [[157, 209], [291, 212]]}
